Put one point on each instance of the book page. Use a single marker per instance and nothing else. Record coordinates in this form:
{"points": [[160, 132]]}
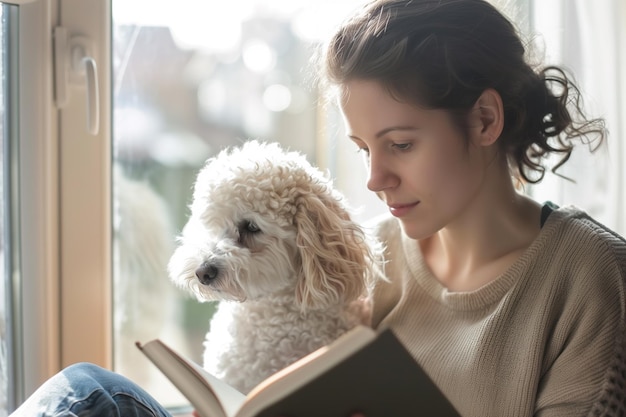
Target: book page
{"points": [[230, 399], [206, 393]]}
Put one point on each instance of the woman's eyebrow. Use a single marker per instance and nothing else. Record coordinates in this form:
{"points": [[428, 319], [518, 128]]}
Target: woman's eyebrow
{"points": [[387, 130], [395, 128]]}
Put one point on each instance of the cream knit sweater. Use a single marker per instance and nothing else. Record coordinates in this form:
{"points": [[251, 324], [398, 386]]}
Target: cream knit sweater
{"points": [[547, 338]]}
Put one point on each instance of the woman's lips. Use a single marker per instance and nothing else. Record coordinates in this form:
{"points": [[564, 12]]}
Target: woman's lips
{"points": [[399, 210]]}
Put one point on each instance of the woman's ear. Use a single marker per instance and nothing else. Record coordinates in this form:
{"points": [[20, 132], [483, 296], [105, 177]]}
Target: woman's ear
{"points": [[488, 118]]}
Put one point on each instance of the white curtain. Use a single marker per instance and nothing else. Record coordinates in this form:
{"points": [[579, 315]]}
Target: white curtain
{"points": [[589, 39]]}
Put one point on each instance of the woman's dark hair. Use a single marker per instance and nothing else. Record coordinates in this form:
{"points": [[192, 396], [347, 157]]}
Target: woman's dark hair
{"points": [[443, 54]]}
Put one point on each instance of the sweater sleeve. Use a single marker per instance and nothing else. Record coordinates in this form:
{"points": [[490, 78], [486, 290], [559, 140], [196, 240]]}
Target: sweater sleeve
{"points": [[585, 360]]}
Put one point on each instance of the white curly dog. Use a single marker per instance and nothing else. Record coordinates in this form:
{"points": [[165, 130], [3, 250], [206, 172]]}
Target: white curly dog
{"points": [[271, 238]]}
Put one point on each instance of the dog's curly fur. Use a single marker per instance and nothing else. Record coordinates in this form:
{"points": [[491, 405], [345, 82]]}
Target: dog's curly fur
{"points": [[271, 238]]}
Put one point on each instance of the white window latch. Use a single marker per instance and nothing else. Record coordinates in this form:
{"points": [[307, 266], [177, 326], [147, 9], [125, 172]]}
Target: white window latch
{"points": [[74, 64]]}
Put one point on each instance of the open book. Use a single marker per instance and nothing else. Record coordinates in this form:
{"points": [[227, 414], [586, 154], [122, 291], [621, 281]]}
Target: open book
{"points": [[363, 370]]}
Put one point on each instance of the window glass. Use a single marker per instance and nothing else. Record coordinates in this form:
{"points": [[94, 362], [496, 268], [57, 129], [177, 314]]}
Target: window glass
{"points": [[4, 270], [187, 84], [3, 285]]}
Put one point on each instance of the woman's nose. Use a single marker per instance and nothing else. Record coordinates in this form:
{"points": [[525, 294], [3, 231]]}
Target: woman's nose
{"points": [[380, 176]]}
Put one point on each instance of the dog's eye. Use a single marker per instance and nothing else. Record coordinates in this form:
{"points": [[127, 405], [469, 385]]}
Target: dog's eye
{"points": [[252, 227], [247, 232], [248, 227]]}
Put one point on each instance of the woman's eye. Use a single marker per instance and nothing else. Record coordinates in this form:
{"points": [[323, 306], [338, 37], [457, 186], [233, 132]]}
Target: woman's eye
{"points": [[402, 146]]}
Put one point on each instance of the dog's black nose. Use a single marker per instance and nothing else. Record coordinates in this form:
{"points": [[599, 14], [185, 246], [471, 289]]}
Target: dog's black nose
{"points": [[206, 273]]}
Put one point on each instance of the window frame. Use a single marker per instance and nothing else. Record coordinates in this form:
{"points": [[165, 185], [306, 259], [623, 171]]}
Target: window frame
{"points": [[85, 197], [35, 261], [62, 226]]}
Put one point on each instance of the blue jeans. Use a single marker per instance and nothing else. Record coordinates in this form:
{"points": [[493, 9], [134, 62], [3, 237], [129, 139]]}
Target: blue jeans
{"points": [[86, 390]]}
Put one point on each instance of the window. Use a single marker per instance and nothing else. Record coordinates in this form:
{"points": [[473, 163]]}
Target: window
{"points": [[187, 84], [589, 41]]}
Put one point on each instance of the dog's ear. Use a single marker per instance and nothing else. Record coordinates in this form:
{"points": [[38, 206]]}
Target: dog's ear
{"points": [[336, 258]]}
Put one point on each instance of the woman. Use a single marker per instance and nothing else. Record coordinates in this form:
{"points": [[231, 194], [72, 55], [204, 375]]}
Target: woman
{"points": [[512, 307]]}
